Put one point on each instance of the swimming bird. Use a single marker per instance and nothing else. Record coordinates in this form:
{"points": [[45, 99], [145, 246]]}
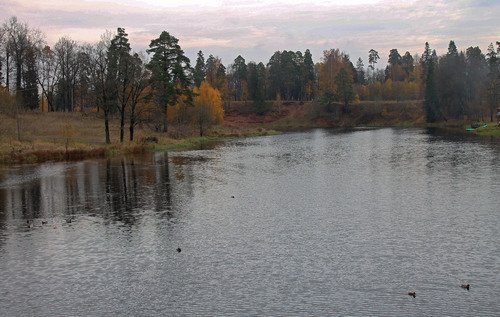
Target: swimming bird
{"points": [[465, 286], [232, 196], [179, 250], [414, 294]]}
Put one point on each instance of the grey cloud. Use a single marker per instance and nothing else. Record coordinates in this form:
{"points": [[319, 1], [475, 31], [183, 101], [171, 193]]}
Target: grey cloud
{"points": [[485, 3], [256, 31]]}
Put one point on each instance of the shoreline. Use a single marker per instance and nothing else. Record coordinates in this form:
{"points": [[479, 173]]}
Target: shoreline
{"points": [[46, 137], [34, 155], [29, 153]]}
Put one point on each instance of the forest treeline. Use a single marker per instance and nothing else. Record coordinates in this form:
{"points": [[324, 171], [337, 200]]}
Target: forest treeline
{"points": [[161, 86]]}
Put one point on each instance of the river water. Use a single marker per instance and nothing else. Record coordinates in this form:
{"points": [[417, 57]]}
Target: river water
{"points": [[316, 223]]}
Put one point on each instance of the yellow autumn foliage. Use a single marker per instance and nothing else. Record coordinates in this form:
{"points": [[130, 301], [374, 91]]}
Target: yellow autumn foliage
{"points": [[44, 104], [208, 101], [179, 113], [207, 108], [391, 90], [332, 62]]}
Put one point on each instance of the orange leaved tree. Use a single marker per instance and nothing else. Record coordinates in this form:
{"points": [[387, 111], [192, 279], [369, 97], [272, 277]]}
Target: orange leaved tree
{"points": [[207, 108]]}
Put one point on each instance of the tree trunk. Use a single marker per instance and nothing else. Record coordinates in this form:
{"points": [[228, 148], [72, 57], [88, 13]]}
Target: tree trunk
{"points": [[165, 121], [18, 124], [122, 125], [18, 76], [7, 71], [346, 106], [131, 128], [106, 126], [72, 99]]}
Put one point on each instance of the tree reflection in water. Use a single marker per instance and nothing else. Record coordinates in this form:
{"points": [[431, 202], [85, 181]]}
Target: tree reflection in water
{"points": [[121, 189]]}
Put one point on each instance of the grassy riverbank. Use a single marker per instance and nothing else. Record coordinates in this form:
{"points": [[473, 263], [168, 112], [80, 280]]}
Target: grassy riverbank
{"points": [[491, 130], [41, 137], [486, 129]]}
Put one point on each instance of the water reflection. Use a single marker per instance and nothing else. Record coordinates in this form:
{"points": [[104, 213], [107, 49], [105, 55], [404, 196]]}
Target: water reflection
{"points": [[316, 223], [116, 189]]}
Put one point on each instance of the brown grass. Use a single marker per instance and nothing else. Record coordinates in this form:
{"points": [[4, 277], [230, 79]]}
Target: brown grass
{"points": [[76, 136], [60, 136]]}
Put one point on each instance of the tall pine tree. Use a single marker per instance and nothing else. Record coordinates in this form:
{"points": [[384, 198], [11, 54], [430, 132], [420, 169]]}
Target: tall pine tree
{"points": [[431, 103], [239, 78], [200, 69], [121, 73], [171, 73]]}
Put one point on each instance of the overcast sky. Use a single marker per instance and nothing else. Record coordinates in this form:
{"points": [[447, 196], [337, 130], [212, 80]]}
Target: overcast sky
{"points": [[256, 29]]}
